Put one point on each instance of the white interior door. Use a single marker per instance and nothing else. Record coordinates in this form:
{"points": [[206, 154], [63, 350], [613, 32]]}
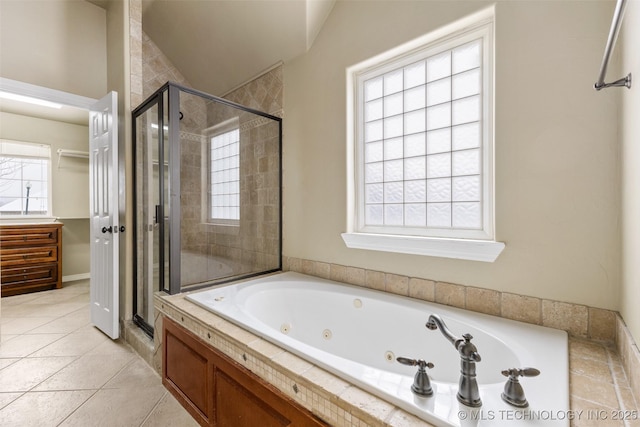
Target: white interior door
{"points": [[103, 172]]}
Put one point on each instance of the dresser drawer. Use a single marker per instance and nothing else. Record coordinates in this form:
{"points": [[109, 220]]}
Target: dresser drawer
{"points": [[16, 237], [26, 256], [30, 258], [43, 273]]}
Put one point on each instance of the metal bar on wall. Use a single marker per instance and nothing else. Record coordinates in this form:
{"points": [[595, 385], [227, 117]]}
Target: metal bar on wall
{"points": [[611, 41]]}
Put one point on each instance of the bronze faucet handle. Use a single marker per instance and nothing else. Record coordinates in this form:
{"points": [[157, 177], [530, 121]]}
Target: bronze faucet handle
{"points": [[415, 362], [513, 392], [421, 383], [524, 372]]}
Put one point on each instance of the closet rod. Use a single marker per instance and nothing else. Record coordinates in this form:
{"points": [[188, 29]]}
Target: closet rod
{"points": [[611, 41], [63, 152], [72, 153]]}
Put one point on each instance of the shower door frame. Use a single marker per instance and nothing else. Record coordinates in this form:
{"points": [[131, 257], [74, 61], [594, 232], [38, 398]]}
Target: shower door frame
{"points": [[174, 286], [154, 100]]}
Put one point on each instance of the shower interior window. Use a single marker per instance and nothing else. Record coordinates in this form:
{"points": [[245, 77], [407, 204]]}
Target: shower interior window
{"points": [[224, 173]]}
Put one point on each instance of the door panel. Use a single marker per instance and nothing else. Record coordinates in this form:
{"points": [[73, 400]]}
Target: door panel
{"points": [[103, 200]]}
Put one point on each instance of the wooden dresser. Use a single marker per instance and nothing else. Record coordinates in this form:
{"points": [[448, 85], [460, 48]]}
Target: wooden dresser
{"points": [[30, 258]]}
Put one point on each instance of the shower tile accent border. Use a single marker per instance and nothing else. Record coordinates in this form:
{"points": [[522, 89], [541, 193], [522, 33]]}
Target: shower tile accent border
{"points": [[339, 403]]}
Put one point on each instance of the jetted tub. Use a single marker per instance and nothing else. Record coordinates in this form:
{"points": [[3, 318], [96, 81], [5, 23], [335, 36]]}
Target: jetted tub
{"points": [[357, 333]]}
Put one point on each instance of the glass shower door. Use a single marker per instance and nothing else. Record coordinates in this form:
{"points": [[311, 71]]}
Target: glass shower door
{"points": [[151, 171], [207, 194]]}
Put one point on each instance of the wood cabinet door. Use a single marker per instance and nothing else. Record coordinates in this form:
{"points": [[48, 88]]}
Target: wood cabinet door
{"points": [[186, 371], [230, 395], [239, 407]]}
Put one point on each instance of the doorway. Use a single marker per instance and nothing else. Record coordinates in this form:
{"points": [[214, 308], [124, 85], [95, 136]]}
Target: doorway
{"points": [[73, 112]]}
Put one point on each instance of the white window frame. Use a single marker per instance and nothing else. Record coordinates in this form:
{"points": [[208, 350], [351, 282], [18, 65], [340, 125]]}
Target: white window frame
{"points": [[479, 245], [220, 129], [29, 153]]}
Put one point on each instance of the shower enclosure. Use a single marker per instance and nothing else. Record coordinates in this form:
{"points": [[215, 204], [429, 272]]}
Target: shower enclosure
{"points": [[207, 193]]}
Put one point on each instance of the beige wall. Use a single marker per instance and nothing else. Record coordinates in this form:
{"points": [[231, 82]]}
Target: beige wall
{"points": [[630, 139], [123, 21], [58, 44], [70, 181], [557, 154]]}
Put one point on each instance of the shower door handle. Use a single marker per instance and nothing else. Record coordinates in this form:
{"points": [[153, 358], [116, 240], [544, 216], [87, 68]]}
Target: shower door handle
{"points": [[158, 214]]}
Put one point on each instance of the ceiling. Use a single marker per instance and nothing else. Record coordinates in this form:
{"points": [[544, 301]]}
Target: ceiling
{"points": [[218, 45]]}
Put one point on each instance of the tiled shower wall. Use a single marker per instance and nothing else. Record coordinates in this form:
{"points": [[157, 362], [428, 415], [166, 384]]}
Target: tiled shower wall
{"points": [[157, 69], [217, 251], [254, 245]]}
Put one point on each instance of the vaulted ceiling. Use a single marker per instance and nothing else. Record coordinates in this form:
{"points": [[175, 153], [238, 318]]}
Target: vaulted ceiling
{"points": [[220, 44]]}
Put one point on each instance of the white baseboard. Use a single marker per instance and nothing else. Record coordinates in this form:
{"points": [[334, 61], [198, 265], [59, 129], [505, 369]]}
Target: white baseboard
{"points": [[74, 277]]}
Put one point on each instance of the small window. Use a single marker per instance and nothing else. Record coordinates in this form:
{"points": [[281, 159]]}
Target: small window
{"points": [[25, 171], [224, 173], [422, 137]]}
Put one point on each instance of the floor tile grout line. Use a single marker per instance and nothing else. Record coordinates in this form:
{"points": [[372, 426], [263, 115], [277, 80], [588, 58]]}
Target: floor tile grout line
{"points": [[22, 393], [78, 407], [157, 405], [31, 390]]}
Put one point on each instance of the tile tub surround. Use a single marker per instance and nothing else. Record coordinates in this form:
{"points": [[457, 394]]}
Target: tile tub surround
{"points": [[598, 382], [580, 321]]}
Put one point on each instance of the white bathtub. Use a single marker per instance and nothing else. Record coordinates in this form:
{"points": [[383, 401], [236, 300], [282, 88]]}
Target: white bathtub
{"points": [[356, 333]]}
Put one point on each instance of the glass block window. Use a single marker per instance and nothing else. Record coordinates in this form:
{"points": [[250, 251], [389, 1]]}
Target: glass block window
{"points": [[424, 143], [225, 176], [24, 179]]}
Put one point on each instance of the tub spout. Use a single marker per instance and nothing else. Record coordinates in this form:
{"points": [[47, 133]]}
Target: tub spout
{"points": [[468, 392], [435, 322]]}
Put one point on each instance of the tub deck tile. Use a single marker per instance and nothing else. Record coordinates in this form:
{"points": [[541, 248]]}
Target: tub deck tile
{"points": [[331, 385], [400, 418], [292, 363], [598, 382], [376, 411]]}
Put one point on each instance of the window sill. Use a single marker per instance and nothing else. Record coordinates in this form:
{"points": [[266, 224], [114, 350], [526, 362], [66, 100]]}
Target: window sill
{"points": [[473, 250]]}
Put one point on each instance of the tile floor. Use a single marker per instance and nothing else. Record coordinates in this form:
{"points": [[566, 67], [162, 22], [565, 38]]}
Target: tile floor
{"points": [[56, 369]]}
